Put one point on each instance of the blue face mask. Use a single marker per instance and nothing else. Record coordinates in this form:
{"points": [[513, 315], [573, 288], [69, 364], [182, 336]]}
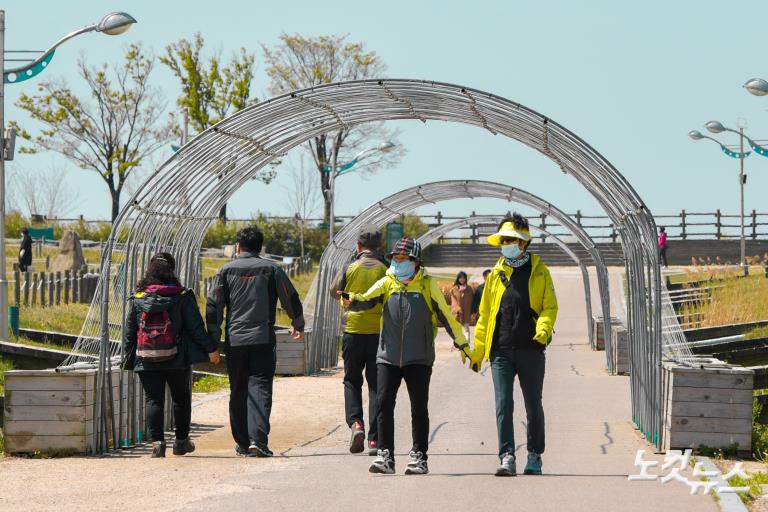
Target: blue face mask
{"points": [[511, 251], [403, 269]]}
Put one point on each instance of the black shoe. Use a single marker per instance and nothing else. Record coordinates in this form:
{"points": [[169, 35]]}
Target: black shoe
{"points": [[357, 439], [243, 452], [183, 446], [257, 450], [158, 449]]}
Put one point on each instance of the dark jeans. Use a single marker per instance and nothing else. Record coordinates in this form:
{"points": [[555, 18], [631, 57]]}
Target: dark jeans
{"points": [[416, 378], [251, 370], [359, 353], [663, 256], [153, 382], [528, 365]]}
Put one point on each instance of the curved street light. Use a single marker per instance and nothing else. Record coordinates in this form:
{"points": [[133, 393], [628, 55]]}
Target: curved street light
{"points": [[338, 170], [112, 24], [757, 87]]}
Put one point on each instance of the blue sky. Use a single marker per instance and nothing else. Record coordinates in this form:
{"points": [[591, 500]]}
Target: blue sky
{"points": [[631, 78]]}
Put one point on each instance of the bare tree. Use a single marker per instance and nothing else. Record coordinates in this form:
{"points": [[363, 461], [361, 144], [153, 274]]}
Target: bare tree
{"points": [[300, 62], [45, 191], [303, 198]]}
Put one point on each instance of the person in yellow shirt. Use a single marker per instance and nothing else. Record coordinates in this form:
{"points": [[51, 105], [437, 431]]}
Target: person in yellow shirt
{"points": [[361, 339], [412, 302], [516, 320]]}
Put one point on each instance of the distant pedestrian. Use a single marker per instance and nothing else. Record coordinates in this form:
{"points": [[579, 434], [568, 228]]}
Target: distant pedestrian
{"points": [[462, 297], [663, 246], [164, 336], [479, 294], [248, 288], [25, 250], [360, 340], [412, 302]]}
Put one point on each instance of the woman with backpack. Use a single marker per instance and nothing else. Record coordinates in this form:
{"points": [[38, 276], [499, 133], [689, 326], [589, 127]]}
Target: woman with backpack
{"points": [[164, 336], [412, 303]]}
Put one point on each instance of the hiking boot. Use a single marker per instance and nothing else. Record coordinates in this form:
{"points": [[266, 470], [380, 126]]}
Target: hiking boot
{"points": [[533, 467], [183, 446], [357, 440], [383, 463], [158, 449], [243, 452], [258, 450], [417, 464], [507, 467], [373, 445]]}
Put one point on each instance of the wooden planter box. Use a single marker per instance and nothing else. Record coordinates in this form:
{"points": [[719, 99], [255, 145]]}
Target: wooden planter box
{"points": [[620, 350], [49, 411], [710, 406], [291, 355], [598, 331]]}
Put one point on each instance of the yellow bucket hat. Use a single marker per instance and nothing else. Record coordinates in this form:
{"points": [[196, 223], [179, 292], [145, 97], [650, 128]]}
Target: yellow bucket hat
{"points": [[508, 230]]}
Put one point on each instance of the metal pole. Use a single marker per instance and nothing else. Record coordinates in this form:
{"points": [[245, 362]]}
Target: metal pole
{"points": [[3, 281], [332, 186], [742, 244]]}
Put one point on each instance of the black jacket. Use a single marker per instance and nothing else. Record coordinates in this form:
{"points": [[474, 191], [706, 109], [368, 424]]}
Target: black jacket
{"points": [[194, 342], [25, 251], [248, 288]]}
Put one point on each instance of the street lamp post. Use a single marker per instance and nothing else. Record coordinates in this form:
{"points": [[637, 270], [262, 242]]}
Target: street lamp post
{"points": [[717, 127], [112, 24], [336, 170]]}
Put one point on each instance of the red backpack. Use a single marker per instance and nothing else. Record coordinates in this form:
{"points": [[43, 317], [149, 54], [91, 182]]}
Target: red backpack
{"points": [[155, 340]]}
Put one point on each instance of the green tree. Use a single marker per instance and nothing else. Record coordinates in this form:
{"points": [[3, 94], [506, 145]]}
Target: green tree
{"points": [[211, 91], [113, 132], [299, 62]]}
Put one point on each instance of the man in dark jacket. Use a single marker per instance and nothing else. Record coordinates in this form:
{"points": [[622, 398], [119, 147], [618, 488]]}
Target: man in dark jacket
{"points": [[361, 339], [25, 251], [248, 288]]}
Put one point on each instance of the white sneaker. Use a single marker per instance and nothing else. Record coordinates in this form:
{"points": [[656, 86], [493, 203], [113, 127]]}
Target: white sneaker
{"points": [[383, 463], [417, 465]]}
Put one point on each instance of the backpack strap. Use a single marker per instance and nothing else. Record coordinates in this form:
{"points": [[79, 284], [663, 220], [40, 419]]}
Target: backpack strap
{"points": [[507, 283]]}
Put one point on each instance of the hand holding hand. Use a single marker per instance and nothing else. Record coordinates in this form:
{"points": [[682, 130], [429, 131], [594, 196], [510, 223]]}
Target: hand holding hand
{"points": [[297, 335], [214, 357], [344, 301]]}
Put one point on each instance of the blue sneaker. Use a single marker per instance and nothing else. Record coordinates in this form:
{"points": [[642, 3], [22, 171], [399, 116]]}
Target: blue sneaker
{"points": [[533, 467]]}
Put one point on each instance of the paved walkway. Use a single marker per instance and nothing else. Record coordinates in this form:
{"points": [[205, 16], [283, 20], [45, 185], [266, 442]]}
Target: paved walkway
{"points": [[591, 446]]}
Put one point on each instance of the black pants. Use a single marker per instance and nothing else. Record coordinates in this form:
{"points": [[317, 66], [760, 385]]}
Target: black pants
{"points": [[416, 378], [251, 371], [359, 353], [663, 256], [153, 382]]}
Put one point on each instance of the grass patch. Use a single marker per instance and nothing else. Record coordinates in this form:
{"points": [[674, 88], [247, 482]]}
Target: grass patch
{"points": [[63, 318], [757, 332], [209, 384], [733, 300], [5, 366], [754, 482]]}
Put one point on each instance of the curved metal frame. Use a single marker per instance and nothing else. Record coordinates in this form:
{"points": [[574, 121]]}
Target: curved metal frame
{"points": [[435, 233], [326, 322], [175, 205]]}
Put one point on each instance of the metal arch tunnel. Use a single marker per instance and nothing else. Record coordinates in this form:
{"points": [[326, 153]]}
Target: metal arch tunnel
{"points": [[323, 352], [435, 233], [174, 207]]}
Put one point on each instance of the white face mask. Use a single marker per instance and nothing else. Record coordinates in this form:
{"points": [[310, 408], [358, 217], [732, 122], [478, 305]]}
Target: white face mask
{"points": [[511, 251]]}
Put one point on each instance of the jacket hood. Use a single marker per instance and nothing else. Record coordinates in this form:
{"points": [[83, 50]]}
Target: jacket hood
{"points": [[158, 298]]}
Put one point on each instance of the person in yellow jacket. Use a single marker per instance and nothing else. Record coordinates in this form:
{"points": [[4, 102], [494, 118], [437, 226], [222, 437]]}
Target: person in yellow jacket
{"points": [[361, 339], [412, 303], [516, 321]]}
